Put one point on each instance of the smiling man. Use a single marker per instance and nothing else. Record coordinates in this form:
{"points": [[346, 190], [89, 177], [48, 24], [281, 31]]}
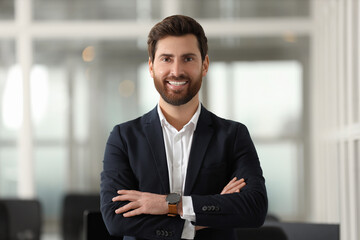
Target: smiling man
{"points": [[179, 171]]}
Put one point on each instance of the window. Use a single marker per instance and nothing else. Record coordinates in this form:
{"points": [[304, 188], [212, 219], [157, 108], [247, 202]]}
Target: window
{"points": [[267, 97]]}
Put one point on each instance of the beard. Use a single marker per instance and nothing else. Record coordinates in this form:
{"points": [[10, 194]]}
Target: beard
{"points": [[178, 97]]}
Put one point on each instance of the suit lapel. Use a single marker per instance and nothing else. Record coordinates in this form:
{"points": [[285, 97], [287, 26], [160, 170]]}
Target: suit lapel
{"points": [[154, 135], [202, 136]]}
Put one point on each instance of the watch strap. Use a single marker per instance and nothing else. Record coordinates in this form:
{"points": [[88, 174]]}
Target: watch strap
{"points": [[172, 210]]}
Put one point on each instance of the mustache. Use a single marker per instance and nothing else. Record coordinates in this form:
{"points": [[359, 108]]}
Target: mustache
{"points": [[177, 78]]}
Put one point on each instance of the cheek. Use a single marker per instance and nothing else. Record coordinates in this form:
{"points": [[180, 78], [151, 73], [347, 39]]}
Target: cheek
{"points": [[196, 72], [159, 72]]}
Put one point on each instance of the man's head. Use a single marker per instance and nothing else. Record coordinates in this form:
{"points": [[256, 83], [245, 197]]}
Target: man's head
{"points": [[178, 59], [177, 25]]}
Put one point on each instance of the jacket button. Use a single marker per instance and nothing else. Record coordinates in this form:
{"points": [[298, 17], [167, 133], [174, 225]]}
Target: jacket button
{"points": [[204, 208]]}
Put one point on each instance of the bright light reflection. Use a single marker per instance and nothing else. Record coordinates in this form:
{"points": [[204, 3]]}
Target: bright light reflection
{"points": [[39, 92], [12, 102]]}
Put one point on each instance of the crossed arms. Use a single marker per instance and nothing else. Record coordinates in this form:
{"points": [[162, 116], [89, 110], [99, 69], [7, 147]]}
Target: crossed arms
{"points": [[155, 204]]}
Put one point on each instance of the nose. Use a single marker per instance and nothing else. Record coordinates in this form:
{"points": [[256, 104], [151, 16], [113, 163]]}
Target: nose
{"points": [[177, 68]]}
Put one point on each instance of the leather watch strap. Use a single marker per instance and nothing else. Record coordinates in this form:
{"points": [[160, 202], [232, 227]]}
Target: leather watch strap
{"points": [[172, 210]]}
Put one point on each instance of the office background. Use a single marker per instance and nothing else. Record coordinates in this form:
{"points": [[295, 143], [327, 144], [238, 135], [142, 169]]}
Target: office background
{"points": [[288, 69]]}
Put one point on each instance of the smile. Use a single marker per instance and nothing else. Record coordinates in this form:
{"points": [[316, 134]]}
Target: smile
{"points": [[176, 83]]}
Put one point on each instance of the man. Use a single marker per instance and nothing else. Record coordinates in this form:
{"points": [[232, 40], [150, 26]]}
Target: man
{"points": [[179, 171]]}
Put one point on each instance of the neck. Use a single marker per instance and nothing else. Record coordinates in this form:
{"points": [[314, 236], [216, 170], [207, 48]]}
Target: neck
{"points": [[178, 116]]}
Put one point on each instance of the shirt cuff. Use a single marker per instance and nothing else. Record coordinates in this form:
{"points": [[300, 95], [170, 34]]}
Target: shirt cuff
{"points": [[189, 216], [188, 209], [188, 231]]}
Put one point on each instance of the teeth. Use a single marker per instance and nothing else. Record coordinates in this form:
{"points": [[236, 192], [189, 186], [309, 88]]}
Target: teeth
{"points": [[177, 83]]}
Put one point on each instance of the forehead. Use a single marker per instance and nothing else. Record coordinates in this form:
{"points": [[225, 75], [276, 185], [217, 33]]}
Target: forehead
{"points": [[178, 45]]}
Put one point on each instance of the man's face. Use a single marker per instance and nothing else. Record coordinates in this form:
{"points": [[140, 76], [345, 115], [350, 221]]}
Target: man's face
{"points": [[178, 69]]}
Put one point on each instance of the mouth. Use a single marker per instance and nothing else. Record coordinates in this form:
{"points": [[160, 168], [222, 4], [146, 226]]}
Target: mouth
{"points": [[177, 83]]}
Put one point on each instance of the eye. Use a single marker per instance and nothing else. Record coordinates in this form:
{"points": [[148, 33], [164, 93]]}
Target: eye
{"points": [[188, 59], [165, 59]]}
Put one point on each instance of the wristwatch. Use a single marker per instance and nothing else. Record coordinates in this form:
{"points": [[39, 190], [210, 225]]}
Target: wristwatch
{"points": [[173, 199]]}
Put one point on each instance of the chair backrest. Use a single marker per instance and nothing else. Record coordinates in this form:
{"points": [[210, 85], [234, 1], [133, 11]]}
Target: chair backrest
{"points": [[74, 206], [308, 231], [263, 233], [95, 228], [20, 219]]}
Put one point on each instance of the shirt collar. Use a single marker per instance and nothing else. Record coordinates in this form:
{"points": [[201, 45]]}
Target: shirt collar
{"points": [[193, 121]]}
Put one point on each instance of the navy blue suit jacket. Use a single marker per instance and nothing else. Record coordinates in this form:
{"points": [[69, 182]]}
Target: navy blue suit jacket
{"points": [[135, 158]]}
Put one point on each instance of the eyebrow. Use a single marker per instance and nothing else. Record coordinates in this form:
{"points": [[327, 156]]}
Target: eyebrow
{"points": [[171, 55]]}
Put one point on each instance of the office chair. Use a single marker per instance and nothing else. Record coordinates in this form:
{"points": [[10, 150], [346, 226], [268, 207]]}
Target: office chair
{"points": [[263, 233], [308, 231], [20, 219], [74, 206], [95, 228]]}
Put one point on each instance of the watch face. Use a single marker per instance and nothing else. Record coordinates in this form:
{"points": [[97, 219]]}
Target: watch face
{"points": [[173, 198]]}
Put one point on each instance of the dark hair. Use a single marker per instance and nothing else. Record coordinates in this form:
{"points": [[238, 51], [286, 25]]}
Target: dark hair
{"points": [[177, 25]]}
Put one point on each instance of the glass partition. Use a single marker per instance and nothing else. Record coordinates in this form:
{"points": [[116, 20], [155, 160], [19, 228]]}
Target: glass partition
{"points": [[96, 10], [231, 9], [152, 9], [82, 89], [7, 11], [259, 82], [10, 118]]}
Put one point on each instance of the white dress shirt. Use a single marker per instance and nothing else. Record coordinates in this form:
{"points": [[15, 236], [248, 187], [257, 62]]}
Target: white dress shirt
{"points": [[178, 146]]}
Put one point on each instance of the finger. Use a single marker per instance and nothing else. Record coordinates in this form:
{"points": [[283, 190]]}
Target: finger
{"points": [[135, 212], [130, 198], [127, 196], [231, 181], [133, 192], [236, 183], [232, 184], [229, 184], [127, 207], [199, 227], [236, 188]]}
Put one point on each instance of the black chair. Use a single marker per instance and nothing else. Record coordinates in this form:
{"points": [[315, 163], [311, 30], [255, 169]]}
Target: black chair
{"points": [[95, 228], [308, 231], [263, 233], [74, 206], [20, 219]]}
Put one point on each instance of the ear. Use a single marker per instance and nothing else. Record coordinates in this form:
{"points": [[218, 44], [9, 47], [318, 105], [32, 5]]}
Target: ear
{"points": [[151, 69], [205, 66]]}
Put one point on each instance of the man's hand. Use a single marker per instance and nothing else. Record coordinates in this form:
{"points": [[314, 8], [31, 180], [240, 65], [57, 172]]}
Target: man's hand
{"points": [[234, 186], [141, 203]]}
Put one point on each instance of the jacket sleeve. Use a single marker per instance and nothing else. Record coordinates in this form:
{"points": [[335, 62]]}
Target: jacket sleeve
{"points": [[245, 209], [118, 174]]}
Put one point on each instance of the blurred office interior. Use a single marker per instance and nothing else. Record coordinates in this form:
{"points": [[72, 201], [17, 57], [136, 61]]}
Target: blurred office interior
{"points": [[288, 69]]}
